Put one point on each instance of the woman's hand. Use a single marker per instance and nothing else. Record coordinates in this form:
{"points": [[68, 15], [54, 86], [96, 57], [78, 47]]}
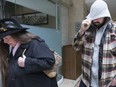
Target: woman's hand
{"points": [[21, 61]]}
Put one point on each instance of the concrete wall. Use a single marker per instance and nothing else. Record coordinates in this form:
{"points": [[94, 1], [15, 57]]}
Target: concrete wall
{"points": [[75, 11]]}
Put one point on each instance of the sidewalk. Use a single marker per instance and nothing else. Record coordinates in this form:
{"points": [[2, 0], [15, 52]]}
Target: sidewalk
{"points": [[67, 83]]}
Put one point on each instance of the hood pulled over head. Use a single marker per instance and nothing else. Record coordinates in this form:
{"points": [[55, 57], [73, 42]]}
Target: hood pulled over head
{"points": [[99, 9]]}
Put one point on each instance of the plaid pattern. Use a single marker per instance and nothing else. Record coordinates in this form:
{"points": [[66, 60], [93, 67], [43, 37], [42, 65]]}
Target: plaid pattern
{"points": [[108, 64]]}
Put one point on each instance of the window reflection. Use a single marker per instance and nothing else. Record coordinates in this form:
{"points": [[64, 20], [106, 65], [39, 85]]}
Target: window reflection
{"points": [[29, 16]]}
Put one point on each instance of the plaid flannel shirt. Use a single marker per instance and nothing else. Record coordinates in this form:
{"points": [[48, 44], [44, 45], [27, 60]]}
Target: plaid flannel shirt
{"points": [[108, 63]]}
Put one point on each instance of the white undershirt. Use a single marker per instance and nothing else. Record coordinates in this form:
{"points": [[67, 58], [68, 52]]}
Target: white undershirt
{"points": [[95, 66], [15, 48]]}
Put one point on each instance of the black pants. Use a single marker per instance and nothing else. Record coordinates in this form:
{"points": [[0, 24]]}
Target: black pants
{"points": [[82, 84]]}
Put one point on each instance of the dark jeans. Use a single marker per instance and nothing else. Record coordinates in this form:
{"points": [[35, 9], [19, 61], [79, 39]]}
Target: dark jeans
{"points": [[82, 84]]}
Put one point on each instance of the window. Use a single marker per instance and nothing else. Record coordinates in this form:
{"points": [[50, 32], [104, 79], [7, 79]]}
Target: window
{"points": [[40, 13]]}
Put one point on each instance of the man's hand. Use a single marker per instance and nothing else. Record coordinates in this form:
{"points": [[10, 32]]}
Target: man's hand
{"points": [[84, 26], [21, 61]]}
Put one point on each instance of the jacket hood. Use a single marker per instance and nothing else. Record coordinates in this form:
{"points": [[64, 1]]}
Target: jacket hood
{"points": [[99, 9]]}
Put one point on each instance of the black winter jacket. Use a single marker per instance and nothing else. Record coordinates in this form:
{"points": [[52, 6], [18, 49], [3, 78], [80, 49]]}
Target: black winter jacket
{"points": [[38, 58]]}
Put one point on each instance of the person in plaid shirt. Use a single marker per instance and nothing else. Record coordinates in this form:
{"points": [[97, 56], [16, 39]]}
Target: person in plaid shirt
{"points": [[97, 41]]}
